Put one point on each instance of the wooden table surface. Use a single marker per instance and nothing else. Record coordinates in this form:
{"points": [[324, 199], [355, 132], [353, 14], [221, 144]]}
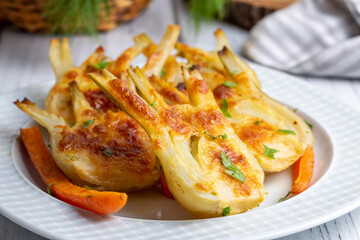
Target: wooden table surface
{"points": [[24, 61]]}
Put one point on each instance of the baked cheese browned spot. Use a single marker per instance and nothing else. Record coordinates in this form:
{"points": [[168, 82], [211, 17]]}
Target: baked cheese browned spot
{"points": [[254, 135], [72, 74], [207, 119], [129, 145], [198, 86], [222, 92], [169, 94], [238, 188], [175, 121], [98, 100]]}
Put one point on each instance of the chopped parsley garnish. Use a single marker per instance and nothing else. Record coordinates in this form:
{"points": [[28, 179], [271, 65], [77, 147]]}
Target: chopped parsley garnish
{"points": [[309, 124], [107, 152], [152, 104], [269, 152], [232, 169], [163, 72], [286, 131], [224, 108], [101, 65], [90, 195], [223, 136], [86, 186], [161, 168], [48, 189], [74, 123], [284, 198], [229, 84], [295, 110], [234, 73], [87, 123], [49, 146], [213, 137], [257, 122], [226, 211], [192, 67]]}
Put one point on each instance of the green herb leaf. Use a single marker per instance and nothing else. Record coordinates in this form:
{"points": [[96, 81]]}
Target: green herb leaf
{"points": [[234, 73], [232, 169], [223, 136], [310, 125], [81, 16], [225, 160], [86, 186], [229, 84], [74, 123], [48, 189], [107, 152], [224, 108], [235, 174], [151, 105], [284, 198], [101, 65], [161, 168], [163, 72], [287, 131], [213, 137], [257, 122], [207, 9], [226, 211], [87, 123], [90, 195], [269, 152], [49, 146], [295, 110]]}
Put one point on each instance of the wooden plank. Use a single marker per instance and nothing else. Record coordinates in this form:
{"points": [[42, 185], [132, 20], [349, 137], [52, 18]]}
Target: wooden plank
{"points": [[12, 231], [346, 92], [322, 85], [355, 221]]}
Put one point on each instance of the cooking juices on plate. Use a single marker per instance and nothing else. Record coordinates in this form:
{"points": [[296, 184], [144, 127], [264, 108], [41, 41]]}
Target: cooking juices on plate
{"points": [[202, 122]]}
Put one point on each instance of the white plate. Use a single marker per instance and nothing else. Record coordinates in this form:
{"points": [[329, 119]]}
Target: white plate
{"points": [[335, 188]]}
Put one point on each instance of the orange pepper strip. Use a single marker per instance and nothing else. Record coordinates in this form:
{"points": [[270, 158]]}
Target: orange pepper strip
{"points": [[164, 186], [60, 186], [303, 171]]}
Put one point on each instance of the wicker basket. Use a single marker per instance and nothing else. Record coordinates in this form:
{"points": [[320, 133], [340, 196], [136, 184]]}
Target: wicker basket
{"points": [[26, 14]]}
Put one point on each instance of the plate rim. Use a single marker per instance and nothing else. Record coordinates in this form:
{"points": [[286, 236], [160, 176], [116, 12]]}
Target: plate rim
{"points": [[322, 218]]}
